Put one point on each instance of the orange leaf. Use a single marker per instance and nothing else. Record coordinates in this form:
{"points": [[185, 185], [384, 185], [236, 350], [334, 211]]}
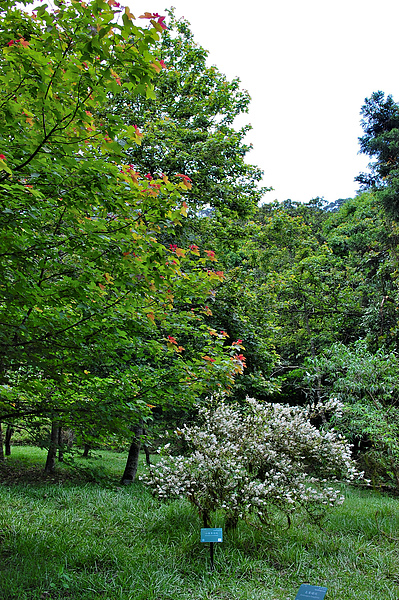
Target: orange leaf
{"points": [[183, 210], [194, 249], [156, 66], [208, 358], [129, 15], [211, 255]]}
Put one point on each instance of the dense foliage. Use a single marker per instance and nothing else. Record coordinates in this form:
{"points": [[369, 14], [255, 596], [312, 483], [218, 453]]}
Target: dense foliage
{"points": [[139, 270], [366, 386]]}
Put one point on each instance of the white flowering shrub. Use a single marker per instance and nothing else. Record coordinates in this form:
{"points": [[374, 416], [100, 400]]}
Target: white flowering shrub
{"points": [[246, 461]]}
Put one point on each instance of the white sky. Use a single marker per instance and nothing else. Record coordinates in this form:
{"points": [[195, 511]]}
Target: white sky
{"points": [[308, 66]]}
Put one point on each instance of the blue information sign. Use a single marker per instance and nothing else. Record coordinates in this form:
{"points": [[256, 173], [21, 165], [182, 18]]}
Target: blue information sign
{"points": [[311, 592], [212, 534]]}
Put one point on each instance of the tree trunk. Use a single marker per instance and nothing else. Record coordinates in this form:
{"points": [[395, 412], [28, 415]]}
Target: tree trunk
{"points": [[60, 445], [147, 451], [147, 455], [69, 435], [86, 451], [2, 459], [52, 451], [133, 456], [9, 432]]}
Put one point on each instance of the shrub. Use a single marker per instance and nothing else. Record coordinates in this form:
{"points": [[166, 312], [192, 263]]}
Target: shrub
{"points": [[245, 461]]}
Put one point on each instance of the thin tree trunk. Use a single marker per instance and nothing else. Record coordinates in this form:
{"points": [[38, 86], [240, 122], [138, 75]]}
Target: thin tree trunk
{"points": [[2, 459], [9, 432], [147, 455], [60, 446], [52, 451], [133, 456], [86, 451], [146, 450], [70, 437]]}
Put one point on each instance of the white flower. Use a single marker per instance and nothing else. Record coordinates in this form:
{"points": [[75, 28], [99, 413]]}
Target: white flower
{"points": [[263, 455]]}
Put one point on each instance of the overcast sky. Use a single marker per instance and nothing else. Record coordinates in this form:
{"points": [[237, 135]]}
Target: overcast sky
{"points": [[308, 66]]}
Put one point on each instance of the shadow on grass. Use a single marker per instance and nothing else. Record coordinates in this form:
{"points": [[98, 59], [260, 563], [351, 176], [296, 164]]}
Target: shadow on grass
{"points": [[18, 471]]}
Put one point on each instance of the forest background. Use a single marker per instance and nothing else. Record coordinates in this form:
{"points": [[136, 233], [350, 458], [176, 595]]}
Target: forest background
{"points": [[140, 262]]}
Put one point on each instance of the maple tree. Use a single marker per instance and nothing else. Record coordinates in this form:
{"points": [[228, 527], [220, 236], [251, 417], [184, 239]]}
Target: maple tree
{"points": [[86, 277]]}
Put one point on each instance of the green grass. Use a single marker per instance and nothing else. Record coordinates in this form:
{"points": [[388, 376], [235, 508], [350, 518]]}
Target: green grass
{"points": [[61, 539]]}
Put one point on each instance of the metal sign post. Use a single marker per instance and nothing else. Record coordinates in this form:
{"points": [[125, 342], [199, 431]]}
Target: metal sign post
{"points": [[211, 549], [212, 535]]}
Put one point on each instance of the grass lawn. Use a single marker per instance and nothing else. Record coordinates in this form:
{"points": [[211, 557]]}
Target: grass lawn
{"points": [[80, 535]]}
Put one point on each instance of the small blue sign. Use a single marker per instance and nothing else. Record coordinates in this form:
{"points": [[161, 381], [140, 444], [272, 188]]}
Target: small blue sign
{"points": [[311, 592], [212, 535]]}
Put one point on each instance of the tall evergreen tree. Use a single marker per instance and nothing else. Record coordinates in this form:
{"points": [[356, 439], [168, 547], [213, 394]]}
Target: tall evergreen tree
{"points": [[380, 122]]}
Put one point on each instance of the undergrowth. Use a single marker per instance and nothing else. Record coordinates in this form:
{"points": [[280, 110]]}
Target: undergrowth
{"points": [[85, 537]]}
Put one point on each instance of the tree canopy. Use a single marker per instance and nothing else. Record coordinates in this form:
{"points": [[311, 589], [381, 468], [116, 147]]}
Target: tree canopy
{"points": [[189, 126], [88, 284]]}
